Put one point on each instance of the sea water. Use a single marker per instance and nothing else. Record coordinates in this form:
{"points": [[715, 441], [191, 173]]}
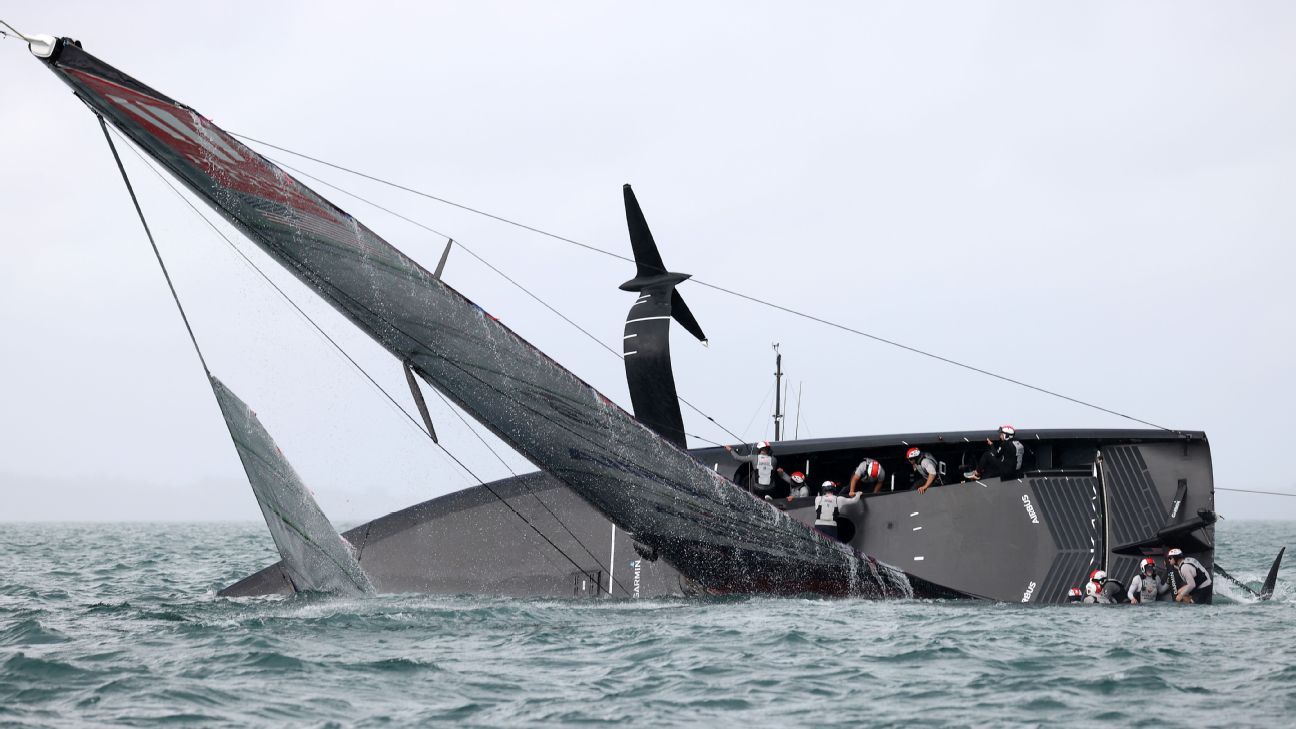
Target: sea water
{"points": [[118, 624]]}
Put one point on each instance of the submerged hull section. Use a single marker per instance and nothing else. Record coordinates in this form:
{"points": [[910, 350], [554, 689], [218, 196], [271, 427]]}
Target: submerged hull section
{"points": [[718, 536]]}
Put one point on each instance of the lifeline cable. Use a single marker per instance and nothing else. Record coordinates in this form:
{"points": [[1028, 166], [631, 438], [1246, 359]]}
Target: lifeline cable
{"points": [[722, 289], [507, 278], [383, 390]]}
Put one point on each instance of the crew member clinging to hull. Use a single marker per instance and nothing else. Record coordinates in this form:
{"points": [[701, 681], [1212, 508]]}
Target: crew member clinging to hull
{"points": [[867, 472], [1004, 458], [925, 466], [826, 509], [761, 462], [1194, 582], [796, 483]]}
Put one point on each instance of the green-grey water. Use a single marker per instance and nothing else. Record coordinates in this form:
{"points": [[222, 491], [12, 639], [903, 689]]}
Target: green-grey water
{"points": [[118, 624]]}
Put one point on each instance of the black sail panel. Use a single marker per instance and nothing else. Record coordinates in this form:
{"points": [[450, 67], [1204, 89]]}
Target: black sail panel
{"points": [[718, 536]]}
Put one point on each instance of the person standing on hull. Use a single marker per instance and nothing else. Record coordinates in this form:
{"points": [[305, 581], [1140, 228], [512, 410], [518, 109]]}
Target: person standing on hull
{"points": [[867, 472], [1194, 583], [760, 474], [925, 466], [1004, 459], [1146, 585], [826, 509]]}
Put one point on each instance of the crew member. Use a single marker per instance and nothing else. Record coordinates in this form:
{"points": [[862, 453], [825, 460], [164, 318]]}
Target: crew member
{"points": [[826, 509], [1113, 590], [1146, 585], [761, 462], [1004, 459], [924, 465], [1075, 595], [867, 472], [1194, 581], [1094, 594], [796, 483]]}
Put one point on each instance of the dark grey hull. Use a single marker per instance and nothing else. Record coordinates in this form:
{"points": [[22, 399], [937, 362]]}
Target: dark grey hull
{"points": [[1017, 540]]}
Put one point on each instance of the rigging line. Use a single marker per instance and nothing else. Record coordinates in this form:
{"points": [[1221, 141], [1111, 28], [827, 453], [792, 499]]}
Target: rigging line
{"points": [[722, 289], [1250, 491], [156, 253], [503, 275], [437, 199], [393, 401], [284, 294]]}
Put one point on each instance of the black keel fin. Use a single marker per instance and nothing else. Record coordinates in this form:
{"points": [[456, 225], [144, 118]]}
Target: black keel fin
{"points": [[1271, 580]]}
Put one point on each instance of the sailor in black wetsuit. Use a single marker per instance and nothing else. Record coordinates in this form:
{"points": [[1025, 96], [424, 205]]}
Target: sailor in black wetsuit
{"points": [[1003, 460], [1146, 586], [761, 466], [1193, 583]]}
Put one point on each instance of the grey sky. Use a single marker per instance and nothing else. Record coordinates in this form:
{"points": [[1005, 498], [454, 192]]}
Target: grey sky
{"points": [[1115, 178]]}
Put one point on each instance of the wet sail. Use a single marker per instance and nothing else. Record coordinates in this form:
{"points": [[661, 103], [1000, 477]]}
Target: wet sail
{"points": [[315, 557], [718, 536]]}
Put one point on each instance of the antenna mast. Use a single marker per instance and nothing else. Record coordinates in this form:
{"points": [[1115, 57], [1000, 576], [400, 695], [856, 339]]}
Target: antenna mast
{"points": [[778, 387]]}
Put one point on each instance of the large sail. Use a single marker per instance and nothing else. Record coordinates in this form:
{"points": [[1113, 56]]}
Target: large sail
{"points": [[315, 556], [717, 535]]}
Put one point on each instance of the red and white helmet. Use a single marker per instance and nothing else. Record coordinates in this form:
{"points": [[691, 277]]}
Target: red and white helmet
{"points": [[1176, 552], [798, 477], [828, 486], [762, 445], [1098, 576], [912, 453], [1146, 564], [1075, 592], [1007, 430], [873, 469], [1093, 589]]}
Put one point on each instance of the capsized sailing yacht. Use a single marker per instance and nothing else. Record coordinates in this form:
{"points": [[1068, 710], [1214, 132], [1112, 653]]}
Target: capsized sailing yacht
{"points": [[670, 521], [717, 536]]}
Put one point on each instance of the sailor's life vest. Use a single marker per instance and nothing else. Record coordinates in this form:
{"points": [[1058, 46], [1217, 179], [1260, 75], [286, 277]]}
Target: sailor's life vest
{"points": [[927, 465], [1148, 588], [764, 469], [1019, 453], [1114, 591], [1201, 579], [826, 509]]}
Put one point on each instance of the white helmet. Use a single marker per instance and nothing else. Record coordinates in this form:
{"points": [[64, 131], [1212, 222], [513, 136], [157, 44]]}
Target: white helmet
{"points": [[1007, 430], [1093, 589], [1176, 552], [762, 445], [828, 486]]}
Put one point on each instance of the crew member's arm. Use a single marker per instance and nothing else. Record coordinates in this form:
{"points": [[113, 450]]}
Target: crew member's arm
{"points": [[741, 459], [1135, 591], [855, 478], [930, 478]]}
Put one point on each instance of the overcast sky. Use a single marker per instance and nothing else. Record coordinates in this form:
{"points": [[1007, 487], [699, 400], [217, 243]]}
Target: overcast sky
{"points": [[1095, 198]]}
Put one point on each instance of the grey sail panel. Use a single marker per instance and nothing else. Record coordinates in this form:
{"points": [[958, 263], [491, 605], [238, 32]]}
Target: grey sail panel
{"points": [[715, 534], [315, 557]]}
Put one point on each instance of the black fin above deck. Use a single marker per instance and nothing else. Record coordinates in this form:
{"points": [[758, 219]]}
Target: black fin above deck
{"points": [[646, 340]]}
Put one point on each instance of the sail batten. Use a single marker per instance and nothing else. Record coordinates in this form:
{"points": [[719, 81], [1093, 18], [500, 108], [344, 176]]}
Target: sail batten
{"points": [[720, 537]]}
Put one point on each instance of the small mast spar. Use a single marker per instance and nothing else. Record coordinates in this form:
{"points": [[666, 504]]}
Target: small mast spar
{"points": [[778, 388]]}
